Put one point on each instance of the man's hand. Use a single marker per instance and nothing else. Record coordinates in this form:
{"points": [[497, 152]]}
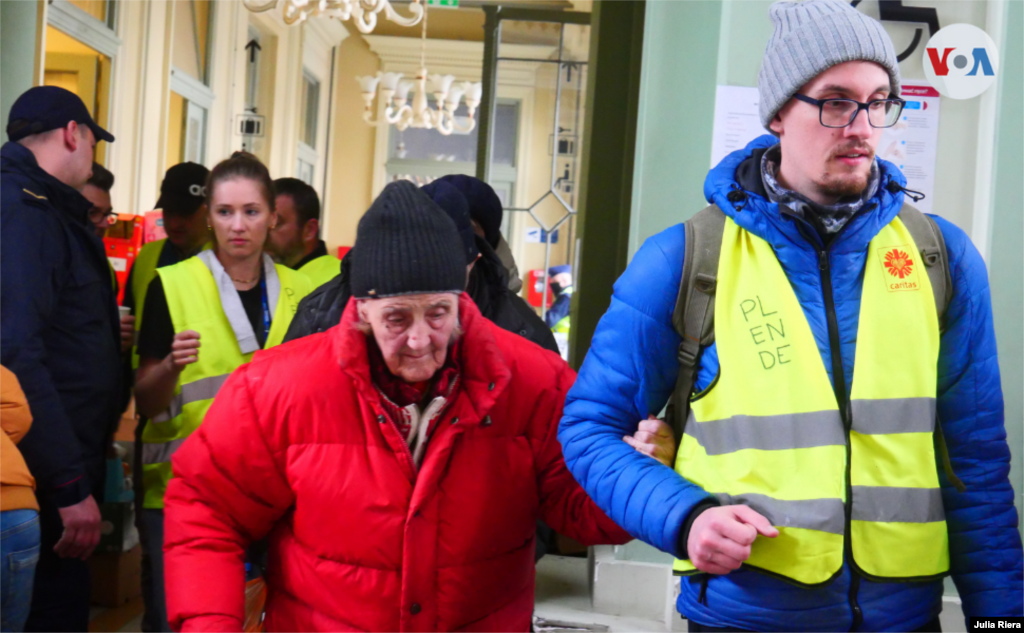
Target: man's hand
{"points": [[654, 438], [184, 350], [720, 538], [81, 529], [127, 333]]}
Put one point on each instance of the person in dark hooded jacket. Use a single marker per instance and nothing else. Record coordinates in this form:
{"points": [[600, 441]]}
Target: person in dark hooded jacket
{"points": [[487, 283]]}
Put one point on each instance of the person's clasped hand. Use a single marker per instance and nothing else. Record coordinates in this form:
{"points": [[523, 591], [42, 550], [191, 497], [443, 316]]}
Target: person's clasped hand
{"points": [[184, 350], [720, 538], [654, 438]]}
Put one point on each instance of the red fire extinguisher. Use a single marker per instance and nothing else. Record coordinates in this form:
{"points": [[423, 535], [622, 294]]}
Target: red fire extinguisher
{"points": [[537, 287]]}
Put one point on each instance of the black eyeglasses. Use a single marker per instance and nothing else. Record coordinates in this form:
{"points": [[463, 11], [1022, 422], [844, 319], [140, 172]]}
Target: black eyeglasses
{"points": [[836, 113]]}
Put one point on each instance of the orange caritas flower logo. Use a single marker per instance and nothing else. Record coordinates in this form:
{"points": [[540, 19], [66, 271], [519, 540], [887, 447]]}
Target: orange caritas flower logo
{"points": [[898, 263]]}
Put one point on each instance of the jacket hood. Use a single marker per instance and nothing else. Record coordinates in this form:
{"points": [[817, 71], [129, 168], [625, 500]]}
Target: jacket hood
{"points": [[751, 209], [16, 158], [489, 279]]}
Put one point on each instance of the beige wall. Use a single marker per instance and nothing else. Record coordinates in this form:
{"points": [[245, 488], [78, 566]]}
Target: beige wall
{"points": [[350, 162]]}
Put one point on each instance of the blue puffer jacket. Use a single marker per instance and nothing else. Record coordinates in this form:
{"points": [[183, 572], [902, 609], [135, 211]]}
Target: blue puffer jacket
{"points": [[631, 369]]}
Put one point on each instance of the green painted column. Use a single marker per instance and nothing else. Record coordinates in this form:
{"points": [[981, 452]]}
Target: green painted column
{"points": [[18, 26], [1006, 262], [606, 180]]}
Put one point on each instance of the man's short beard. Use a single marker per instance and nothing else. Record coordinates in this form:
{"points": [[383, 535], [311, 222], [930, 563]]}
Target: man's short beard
{"points": [[845, 185]]}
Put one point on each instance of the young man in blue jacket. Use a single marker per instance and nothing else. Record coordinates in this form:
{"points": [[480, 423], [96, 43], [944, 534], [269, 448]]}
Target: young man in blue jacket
{"points": [[811, 489], [60, 334]]}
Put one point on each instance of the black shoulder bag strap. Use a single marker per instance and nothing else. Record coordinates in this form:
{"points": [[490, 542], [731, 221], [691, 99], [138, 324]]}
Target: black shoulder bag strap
{"points": [[694, 315]]}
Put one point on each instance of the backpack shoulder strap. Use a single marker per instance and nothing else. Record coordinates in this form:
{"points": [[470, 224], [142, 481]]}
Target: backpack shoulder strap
{"points": [[932, 246], [930, 243], [694, 315]]}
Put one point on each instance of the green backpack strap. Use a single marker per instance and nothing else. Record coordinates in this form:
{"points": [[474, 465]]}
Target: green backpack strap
{"points": [[930, 243], [694, 315]]}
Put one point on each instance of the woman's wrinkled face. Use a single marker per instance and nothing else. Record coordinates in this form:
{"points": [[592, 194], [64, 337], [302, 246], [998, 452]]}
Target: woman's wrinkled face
{"points": [[413, 332], [240, 216]]}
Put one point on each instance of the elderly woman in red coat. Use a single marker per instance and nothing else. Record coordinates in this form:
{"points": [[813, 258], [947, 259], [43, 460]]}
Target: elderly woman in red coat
{"points": [[397, 462]]}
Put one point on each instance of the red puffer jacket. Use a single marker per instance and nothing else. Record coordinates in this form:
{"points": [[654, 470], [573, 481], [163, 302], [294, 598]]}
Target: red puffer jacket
{"points": [[297, 446]]}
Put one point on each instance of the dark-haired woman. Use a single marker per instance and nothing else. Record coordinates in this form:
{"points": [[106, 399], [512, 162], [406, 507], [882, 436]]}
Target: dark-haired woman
{"points": [[205, 317]]}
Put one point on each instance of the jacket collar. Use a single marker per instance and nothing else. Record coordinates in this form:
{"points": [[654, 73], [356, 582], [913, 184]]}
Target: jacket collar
{"points": [[485, 371], [319, 251], [735, 186], [65, 199]]}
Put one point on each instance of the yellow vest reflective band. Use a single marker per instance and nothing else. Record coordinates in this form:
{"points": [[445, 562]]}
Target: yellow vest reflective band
{"points": [[562, 327], [195, 303], [322, 269], [767, 432]]}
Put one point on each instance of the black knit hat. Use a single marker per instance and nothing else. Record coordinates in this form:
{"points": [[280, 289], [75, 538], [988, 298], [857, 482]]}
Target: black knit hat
{"points": [[454, 204], [406, 244]]}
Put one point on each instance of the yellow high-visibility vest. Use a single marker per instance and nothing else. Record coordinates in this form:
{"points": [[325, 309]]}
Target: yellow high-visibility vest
{"points": [[143, 272], [321, 270], [203, 300], [767, 433]]}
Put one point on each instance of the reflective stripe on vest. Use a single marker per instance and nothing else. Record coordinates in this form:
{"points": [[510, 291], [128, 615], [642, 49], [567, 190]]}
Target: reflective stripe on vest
{"points": [[321, 270], [768, 433], [195, 303]]}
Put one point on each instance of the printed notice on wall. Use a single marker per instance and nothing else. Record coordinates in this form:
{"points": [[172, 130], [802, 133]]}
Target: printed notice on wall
{"points": [[911, 143], [736, 121]]}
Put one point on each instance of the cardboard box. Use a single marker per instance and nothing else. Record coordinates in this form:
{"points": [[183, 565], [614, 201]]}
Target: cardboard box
{"points": [[116, 577]]}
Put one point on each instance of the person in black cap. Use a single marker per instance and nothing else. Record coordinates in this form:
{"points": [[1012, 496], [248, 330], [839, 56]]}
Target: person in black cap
{"points": [[183, 202], [397, 461], [60, 334]]}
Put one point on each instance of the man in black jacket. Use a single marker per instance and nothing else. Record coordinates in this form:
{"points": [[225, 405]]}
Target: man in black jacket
{"points": [[487, 283], [60, 334]]}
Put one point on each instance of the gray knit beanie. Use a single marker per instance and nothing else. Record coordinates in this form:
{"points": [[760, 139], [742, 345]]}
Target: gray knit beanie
{"points": [[811, 37]]}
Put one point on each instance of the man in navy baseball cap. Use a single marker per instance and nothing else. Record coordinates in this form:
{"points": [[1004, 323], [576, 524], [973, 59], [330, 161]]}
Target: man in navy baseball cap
{"points": [[60, 334], [46, 108]]}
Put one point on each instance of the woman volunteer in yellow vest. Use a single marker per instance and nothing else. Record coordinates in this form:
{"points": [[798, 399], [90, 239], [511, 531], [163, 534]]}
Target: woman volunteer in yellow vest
{"points": [[206, 316]]}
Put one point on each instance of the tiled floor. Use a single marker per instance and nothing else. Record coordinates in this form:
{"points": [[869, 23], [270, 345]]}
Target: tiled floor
{"points": [[562, 594]]}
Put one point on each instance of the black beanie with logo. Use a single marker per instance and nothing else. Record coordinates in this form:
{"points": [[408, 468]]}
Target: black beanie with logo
{"points": [[406, 244]]}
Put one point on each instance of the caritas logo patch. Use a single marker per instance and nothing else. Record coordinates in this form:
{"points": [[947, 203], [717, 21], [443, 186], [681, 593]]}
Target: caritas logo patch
{"points": [[899, 267]]}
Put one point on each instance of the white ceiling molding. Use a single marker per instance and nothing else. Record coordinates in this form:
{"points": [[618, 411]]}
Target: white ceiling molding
{"points": [[457, 57], [327, 33]]}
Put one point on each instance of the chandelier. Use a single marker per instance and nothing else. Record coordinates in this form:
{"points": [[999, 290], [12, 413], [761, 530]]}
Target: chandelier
{"points": [[394, 92], [363, 11]]}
